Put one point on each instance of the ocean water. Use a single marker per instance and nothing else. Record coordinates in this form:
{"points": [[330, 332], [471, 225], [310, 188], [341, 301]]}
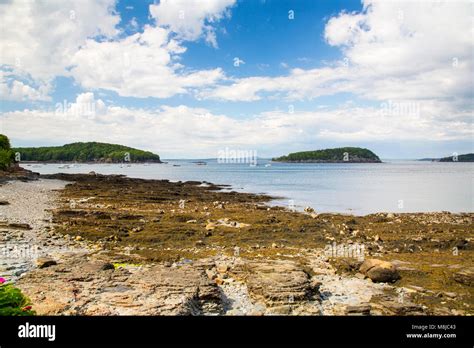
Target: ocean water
{"points": [[392, 186]]}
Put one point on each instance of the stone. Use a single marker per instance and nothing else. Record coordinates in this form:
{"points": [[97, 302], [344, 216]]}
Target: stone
{"points": [[397, 308], [363, 309], [20, 226], [465, 277], [379, 271], [228, 223], [222, 268], [346, 264], [210, 226], [43, 262], [211, 274], [106, 266], [200, 243], [78, 238], [308, 210], [280, 310]]}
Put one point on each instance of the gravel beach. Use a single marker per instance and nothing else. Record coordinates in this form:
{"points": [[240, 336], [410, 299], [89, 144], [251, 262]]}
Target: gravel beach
{"points": [[26, 225]]}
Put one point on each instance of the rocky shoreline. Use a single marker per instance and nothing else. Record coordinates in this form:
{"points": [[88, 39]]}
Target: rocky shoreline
{"points": [[112, 245]]}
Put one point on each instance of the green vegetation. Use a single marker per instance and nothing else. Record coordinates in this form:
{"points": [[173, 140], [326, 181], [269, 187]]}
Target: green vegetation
{"points": [[468, 157], [13, 302], [341, 154], [86, 152], [7, 156], [126, 265]]}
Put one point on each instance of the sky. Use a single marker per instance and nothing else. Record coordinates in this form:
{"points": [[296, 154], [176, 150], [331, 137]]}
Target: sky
{"points": [[190, 78]]}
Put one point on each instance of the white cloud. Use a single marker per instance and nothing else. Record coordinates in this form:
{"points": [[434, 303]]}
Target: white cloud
{"points": [[191, 19], [197, 132], [58, 39], [40, 37], [403, 50], [340, 30], [140, 65], [298, 84], [16, 90]]}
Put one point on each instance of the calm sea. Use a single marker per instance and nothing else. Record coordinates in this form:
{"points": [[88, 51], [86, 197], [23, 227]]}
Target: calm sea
{"points": [[392, 186]]}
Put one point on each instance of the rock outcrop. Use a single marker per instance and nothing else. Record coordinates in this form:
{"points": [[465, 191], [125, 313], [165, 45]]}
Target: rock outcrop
{"points": [[92, 287], [281, 285]]}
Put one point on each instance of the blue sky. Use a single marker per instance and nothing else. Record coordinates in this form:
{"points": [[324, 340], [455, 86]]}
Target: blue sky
{"points": [[391, 76]]}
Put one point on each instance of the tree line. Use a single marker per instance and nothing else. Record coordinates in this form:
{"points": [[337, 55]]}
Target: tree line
{"points": [[86, 152]]}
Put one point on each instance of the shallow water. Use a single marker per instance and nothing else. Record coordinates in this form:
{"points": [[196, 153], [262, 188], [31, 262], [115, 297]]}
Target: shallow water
{"points": [[392, 186]]}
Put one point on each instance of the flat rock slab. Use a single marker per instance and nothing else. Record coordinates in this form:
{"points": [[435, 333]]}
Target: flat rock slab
{"points": [[91, 287], [277, 283]]}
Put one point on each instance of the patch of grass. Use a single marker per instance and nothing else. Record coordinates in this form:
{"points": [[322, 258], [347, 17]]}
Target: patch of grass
{"points": [[13, 302], [125, 265]]}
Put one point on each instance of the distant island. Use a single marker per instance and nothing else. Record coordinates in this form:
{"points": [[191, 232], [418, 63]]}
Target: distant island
{"points": [[337, 155], [468, 157], [86, 152]]}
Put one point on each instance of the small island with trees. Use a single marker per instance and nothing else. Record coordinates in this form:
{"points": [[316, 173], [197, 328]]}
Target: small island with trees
{"points": [[468, 157], [86, 152], [336, 155]]}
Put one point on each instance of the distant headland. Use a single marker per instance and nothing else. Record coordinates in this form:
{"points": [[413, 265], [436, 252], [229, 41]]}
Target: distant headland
{"points": [[336, 155], [468, 157], [86, 152]]}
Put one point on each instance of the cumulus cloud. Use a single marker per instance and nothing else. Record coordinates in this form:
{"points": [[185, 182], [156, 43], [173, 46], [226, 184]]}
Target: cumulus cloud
{"points": [[40, 37], [402, 50], [140, 65], [81, 39], [191, 19], [342, 29], [15, 90]]}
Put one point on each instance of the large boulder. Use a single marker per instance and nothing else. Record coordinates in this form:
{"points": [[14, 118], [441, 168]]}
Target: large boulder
{"points": [[379, 271]]}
